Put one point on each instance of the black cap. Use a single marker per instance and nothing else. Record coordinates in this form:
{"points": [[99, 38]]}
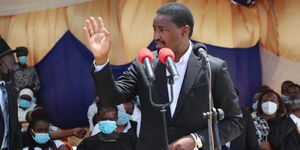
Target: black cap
{"points": [[21, 51]]}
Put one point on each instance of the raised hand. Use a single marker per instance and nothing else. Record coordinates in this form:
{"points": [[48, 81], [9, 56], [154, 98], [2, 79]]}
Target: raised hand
{"points": [[98, 39]]}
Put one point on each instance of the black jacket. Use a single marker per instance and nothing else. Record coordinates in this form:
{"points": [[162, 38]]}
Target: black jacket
{"points": [[283, 134], [248, 139], [15, 139], [192, 100]]}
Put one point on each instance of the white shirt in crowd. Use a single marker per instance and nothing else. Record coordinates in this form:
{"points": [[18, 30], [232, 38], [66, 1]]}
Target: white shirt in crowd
{"points": [[22, 113], [92, 111], [296, 120]]}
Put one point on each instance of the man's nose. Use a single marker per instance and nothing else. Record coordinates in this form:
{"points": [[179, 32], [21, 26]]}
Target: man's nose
{"points": [[156, 35]]}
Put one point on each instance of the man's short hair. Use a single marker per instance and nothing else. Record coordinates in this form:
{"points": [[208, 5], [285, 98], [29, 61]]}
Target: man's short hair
{"points": [[179, 14], [293, 85]]}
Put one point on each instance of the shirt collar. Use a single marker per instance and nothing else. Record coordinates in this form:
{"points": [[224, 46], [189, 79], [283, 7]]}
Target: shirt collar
{"points": [[295, 119], [2, 83], [185, 57]]}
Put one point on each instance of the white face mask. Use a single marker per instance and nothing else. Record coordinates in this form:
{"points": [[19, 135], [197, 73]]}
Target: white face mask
{"points": [[269, 107]]}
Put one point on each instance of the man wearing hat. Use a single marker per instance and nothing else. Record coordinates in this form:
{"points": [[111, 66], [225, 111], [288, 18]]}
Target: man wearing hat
{"points": [[7, 60], [10, 128], [23, 75]]}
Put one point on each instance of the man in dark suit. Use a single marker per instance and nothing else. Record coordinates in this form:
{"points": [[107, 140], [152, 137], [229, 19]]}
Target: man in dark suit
{"points": [[10, 128], [173, 27]]}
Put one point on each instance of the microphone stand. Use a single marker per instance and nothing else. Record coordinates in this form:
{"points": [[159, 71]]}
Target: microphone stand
{"points": [[163, 109], [213, 115]]}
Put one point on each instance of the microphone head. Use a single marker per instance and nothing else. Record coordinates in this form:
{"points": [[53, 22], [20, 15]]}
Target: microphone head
{"points": [[143, 53], [200, 45], [164, 53]]}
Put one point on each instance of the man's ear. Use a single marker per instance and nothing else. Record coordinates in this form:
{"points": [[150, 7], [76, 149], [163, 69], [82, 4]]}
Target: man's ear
{"points": [[186, 30], [31, 132]]}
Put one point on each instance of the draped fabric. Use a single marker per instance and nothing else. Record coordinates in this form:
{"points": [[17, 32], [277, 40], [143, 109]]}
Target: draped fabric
{"points": [[275, 70], [67, 85], [12, 7], [217, 22], [38, 31]]}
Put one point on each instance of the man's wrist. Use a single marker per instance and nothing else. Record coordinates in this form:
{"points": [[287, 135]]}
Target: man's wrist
{"points": [[198, 143], [100, 61]]}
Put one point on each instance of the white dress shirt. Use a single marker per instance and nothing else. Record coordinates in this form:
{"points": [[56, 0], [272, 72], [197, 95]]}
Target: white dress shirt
{"points": [[181, 68], [296, 120]]}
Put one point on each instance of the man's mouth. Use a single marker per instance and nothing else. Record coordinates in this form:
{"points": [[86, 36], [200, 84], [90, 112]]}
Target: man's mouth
{"points": [[159, 44]]}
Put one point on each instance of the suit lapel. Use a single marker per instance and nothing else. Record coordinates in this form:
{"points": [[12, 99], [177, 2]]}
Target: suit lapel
{"points": [[194, 67]]}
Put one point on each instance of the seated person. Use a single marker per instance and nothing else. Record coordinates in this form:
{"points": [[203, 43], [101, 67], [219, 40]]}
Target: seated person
{"points": [[285, 131], [55, 132], [108, 138], [23, 75], [25, 103], [127, 117], [39, 138], [293, 90], [270, 106]]}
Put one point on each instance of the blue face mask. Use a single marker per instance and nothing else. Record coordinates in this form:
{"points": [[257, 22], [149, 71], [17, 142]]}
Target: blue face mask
{"points": [[23, 60], [107, 126], [24, 103], [254, 105], [284, 97], [33, 100], [123, 118], [41, 138]]}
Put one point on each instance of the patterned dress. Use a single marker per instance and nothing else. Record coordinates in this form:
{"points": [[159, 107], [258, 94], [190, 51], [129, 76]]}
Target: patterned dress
{"points": [[25, 77], [262, 128]]}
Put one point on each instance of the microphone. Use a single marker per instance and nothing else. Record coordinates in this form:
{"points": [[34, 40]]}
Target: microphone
{"points": [[166, 56], [201, 50], [145, 57]]}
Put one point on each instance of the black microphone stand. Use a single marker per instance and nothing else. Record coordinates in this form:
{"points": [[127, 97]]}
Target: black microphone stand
{"points": [[213, 115], [163, 109]]}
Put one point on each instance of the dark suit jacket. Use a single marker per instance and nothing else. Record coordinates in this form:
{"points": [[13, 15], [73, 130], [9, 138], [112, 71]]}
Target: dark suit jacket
{"points": [[192, 100], [283, 134], [248, 139], [15, 139]]}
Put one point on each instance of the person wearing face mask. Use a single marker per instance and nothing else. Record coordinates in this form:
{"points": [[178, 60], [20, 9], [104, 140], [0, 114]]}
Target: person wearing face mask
{"points": [[254, 105], [127, 121], [270, 106], [25, 103], [285, 131], [284, 87], [22, 75], [54, 132], [108, 138], [38, 130], [293, 90]]}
